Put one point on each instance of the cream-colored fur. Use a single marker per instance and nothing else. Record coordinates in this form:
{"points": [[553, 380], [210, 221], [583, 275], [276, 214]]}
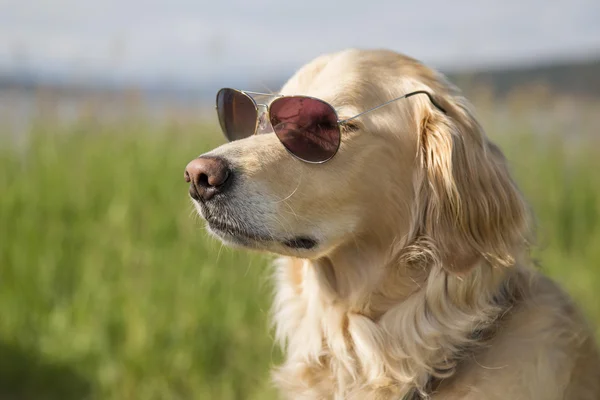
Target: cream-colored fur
{"points": [[420, 284]]}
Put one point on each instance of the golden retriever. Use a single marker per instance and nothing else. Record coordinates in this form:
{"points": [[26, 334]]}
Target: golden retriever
{"points": [[405, 271]]}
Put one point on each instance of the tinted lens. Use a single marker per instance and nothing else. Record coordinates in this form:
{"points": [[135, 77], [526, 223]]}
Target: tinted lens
{"points": [[237, 114], [307, 127]]}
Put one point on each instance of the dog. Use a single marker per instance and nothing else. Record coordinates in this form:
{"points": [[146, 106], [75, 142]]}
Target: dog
{"points": [[404, 269]]}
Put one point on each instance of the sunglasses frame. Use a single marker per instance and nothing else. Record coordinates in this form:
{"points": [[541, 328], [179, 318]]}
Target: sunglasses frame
{"points": [[340, 122]]}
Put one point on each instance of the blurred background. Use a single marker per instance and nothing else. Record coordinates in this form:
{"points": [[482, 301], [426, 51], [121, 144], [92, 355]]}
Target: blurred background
{"points": [[109, 286]]}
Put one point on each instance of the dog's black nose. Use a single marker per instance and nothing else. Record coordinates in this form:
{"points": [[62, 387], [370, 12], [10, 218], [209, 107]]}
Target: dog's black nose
{"points": [[207, 177]]}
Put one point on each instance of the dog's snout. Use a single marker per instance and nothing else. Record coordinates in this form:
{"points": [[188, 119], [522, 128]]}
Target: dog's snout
{"points": [[207, 177]]}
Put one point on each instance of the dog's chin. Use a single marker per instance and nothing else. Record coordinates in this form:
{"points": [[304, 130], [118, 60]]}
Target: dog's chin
{"points": [[236, 237], [302, 246], [239, 235]]}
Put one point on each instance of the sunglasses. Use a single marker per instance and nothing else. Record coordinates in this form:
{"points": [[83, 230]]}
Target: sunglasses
{"points": [[309, 128]]}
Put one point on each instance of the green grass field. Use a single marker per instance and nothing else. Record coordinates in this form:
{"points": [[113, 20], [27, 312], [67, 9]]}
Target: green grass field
{"points": [[110, 288]]}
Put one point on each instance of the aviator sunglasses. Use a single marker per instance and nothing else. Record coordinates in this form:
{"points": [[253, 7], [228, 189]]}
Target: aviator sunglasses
{"points": [[309, 128]]}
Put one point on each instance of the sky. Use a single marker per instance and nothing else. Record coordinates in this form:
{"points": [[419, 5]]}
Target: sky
{"points": [[200, 41]]}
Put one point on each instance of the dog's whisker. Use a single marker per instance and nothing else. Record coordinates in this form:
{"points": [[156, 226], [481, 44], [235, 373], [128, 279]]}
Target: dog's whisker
{"points": [[296, 216], [293, 191], [219, 253], [248, 268]]}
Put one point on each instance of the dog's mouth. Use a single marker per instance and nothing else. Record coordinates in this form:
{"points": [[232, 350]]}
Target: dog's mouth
{"points": [[301, 242]]}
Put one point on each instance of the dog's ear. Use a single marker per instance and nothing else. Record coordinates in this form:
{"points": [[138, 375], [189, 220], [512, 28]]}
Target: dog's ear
{"points": [[468, 208]]}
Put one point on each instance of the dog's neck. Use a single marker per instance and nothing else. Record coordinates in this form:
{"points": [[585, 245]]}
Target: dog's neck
{"points": [[352, 320], [365, 282]]}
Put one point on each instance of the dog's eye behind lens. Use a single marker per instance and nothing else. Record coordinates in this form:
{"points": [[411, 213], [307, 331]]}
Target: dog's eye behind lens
{"points": [[325, 123]]}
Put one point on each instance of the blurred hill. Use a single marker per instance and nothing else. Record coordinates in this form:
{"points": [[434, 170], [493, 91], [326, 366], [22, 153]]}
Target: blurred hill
{"points": [[578, 78]]}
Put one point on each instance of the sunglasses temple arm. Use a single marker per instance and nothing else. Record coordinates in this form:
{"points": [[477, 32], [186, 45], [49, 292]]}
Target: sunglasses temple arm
{"points": [[433, 101], [431, 98]]}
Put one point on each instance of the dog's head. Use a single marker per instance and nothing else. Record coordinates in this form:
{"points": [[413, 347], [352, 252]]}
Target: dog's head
{"points": [[407, 176]]}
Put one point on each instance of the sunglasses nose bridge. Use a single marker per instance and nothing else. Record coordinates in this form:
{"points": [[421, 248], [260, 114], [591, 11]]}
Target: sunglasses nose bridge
{"points": [[263, 126]]}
